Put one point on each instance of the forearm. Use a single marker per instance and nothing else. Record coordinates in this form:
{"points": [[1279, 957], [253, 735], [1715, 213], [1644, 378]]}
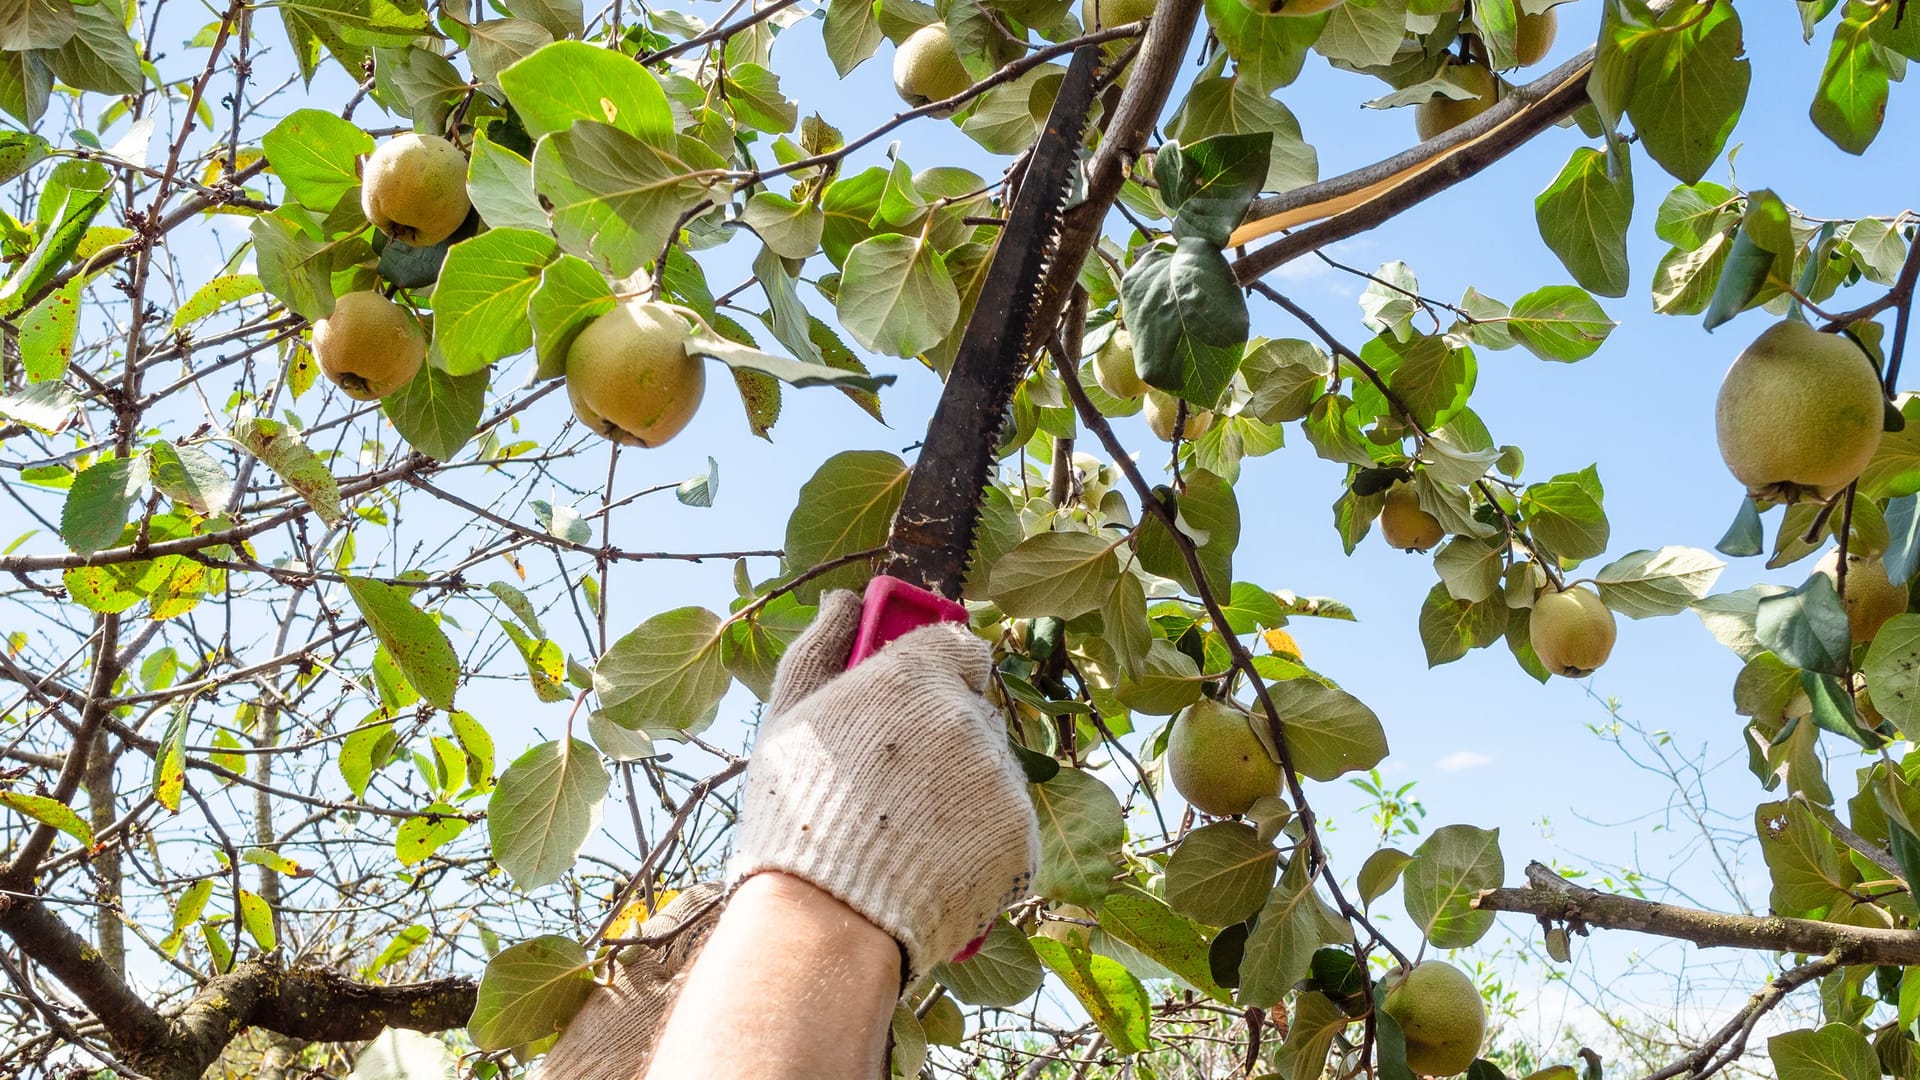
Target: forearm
{"points": [[793, 985]]}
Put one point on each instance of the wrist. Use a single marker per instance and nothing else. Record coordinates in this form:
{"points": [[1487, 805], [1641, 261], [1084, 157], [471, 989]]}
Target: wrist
{"points": [[811, 919]]}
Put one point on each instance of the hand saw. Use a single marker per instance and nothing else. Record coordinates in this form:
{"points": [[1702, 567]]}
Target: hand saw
{"points": [[932, 533]]}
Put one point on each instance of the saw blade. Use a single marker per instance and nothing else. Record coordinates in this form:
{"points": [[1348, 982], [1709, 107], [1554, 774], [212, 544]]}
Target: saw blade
{"points": [[932, 532]]}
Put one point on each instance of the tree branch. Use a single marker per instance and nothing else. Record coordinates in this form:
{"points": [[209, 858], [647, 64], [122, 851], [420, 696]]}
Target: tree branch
{"points": [[1362, 199], [319, 1006], [1154, 74], [1550, 896]]}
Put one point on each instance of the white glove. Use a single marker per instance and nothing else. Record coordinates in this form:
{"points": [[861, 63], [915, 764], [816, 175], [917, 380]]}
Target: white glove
{"points": [[891, 786]]}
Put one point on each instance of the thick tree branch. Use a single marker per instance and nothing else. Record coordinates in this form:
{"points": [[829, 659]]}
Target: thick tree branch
{"points": [[1355, 202], [46, 941], [1125, 136], [318, 1006], [1550, 896]]}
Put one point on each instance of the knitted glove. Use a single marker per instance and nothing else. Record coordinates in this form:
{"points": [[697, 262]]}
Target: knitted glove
{"points": [[611, 1037], [890, 786]]}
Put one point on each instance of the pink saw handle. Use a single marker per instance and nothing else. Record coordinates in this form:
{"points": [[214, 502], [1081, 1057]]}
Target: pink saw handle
{"points": [[892, 608]]}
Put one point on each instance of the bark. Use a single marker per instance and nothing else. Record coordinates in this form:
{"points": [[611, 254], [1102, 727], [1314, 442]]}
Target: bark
{"points": [[304, 1004], [1552, 897]]}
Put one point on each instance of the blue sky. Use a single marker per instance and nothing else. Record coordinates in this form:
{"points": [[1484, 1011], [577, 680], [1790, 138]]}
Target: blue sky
{"points": [[1487, 745]]}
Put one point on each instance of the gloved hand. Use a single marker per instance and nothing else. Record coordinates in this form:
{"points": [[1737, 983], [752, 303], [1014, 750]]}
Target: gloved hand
{"points": [[612, 1035], [890, 786]]}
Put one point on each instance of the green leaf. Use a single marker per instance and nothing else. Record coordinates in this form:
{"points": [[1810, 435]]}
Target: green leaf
{"points": [[496, 44], [283, 452], [57, 246], [1689, 84], [42, 406], [1284, 378], [1066, 574], [571, 294], [97, 505], [24, 84], [1312, 1024], [1806, 627], [1835, 1052], [1081, 832], [1221, 873], [480, 304], [1470, 567], [529, 992], [615, 198], [1642, 584], [1268, 52], [1901, 35], [257, 915], [562, 18], [424, 82], [1851, 101], [546, 663], [37, 24], [1810, 879], [1002, 974], [1168, 682], [617, 742], [1431, 377], [1208, 513], [1449, 627], [19, 151], [1209, 184], [846, 506], [1329, 731], [294, 267], [1559, 322], [1124, 626], [665, 676], [572, 80], [1565, 514], [1294, 922], [1692, 214], [852, 33], [419, 837], [1379, 873], [1363, 35], [500, 183], [49, 812], [1111, 995], [190, 476], [100, 56], [216, 294], [436, 412], [1892, 668], [1144, 922], [790, 229], [1684, 282], [316, 154], [1583, 216], [193, 902], [1188, 319], [752, 647], [542, 809], [754, 94], [170, 767], [1447, 872], [896, 296], [411, 636]]}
